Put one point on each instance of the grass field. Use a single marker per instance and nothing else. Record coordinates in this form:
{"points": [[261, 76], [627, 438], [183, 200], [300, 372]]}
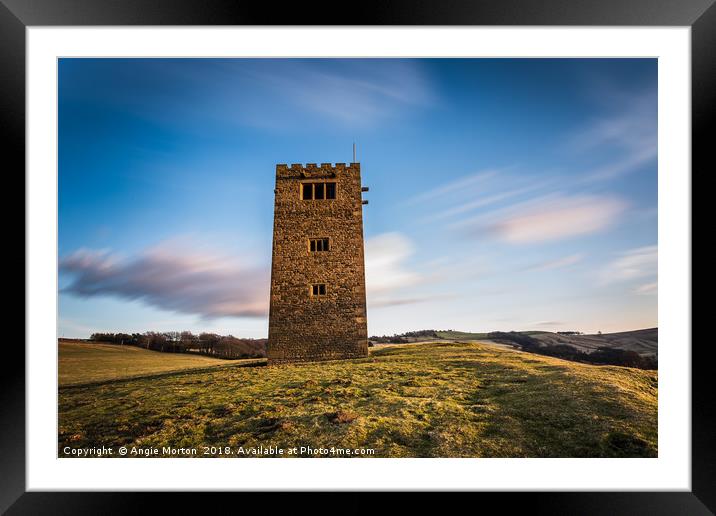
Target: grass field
{"points": [[427, 400], [81, 362]]}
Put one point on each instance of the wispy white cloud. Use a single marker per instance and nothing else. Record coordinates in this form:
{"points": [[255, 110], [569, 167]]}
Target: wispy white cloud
{"points": [[350, 92], [277, 94], [550, 218], [558, 263], [387, 272], [624, 165], [632, 134], [647, 289], [458, 185], [549, 324], [633, 264], [483, 201], [397, 301], [385, 263], [629, 128]]}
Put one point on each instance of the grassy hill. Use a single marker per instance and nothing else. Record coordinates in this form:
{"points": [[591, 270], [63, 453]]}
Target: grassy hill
{"points": [[644, 342], [84, 362], [427, 400], [460, 335]]}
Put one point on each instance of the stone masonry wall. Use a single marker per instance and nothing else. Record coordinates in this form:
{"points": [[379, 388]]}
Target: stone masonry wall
{"points": [[303, 327]]}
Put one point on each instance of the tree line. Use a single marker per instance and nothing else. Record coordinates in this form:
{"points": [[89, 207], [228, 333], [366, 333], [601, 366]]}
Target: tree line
{"points": [[406, 337], [210, 344]]}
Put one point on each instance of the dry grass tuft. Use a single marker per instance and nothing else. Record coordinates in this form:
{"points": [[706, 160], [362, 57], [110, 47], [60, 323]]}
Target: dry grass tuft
{"points": [[343, 416]]}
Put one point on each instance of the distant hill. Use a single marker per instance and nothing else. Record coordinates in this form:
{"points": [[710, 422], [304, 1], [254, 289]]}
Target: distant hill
{"points": [[427, 335], [459, 335], [638, 348], [631, 349], [644, 342]]}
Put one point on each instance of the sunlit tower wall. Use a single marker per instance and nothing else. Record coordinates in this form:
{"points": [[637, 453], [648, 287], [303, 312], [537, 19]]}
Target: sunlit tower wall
{"points": [[318, 300]]}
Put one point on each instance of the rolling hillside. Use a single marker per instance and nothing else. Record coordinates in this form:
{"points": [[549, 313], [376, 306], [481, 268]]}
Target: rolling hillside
{"points": [[84, 362], [644, 342], [428, 400]]}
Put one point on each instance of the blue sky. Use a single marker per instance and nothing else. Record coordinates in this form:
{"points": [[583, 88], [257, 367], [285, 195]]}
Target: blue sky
{"points": [[505, 194]]}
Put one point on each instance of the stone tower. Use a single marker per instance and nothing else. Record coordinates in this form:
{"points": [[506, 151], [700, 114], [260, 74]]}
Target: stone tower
{"points": [[318, 308]]}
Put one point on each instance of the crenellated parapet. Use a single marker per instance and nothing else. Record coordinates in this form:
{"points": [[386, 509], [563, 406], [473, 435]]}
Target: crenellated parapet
{"points": [[312, 170]]}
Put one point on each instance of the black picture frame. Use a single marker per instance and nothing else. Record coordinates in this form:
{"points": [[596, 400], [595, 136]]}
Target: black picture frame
{"points": [[16, 15]]}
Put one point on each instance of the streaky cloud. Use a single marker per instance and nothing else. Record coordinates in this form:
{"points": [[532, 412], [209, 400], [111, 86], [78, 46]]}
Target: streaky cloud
{"points": [[632, 132], [172, 278], [647, 289], [468, 181], [552, 218], [633, 264], [558, 263], [385, 267], [481, 202]]}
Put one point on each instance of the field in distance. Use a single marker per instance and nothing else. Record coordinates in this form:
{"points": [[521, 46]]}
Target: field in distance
{"points": [[645, 342], [465, 335], [441, 399], [83, 362]]}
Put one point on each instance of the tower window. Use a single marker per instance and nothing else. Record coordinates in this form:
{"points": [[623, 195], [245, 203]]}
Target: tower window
{"points": [[318, 289], [307, 193], [318, 191], [318, 244], [330, 190]]}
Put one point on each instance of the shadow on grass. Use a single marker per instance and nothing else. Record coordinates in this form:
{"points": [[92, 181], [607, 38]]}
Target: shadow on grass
{"points": [[555, 412]]}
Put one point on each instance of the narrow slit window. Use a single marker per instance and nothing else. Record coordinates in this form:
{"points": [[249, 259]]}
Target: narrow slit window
{"points": [[313, 245], [307, 191], [330, 190]]}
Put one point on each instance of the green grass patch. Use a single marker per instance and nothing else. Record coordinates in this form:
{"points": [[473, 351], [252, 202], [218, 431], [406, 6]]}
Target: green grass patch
{"points": [[81, 363], [427, 400]]}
